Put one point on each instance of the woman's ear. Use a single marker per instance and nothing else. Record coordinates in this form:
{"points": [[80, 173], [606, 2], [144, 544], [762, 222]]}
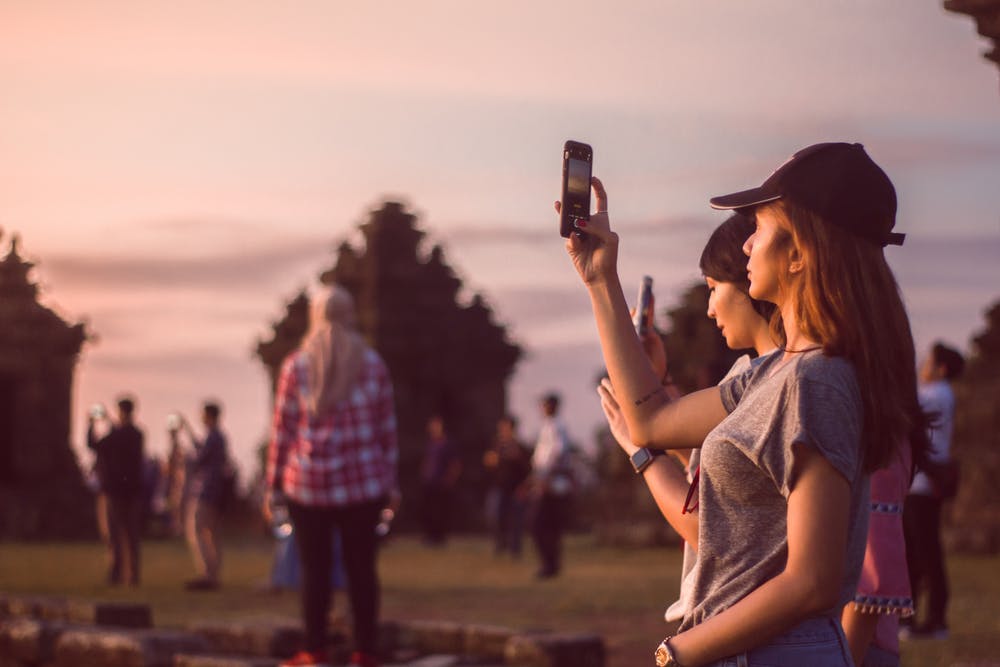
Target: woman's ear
{"points": [[795, 261]]}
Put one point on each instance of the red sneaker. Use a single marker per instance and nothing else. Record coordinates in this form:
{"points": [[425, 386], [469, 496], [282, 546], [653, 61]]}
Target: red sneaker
{"points": [[307, 659], [364, 660]]}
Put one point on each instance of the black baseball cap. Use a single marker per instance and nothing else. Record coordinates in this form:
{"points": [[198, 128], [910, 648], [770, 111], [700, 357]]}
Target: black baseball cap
{"points": [[836, 180]]}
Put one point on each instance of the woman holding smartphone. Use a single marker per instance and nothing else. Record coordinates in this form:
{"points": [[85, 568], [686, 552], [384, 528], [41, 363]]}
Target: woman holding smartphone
{"points": [[743, 322], [787, 445]]}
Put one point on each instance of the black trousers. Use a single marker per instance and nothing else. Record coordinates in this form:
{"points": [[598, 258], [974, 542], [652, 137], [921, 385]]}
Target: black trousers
{"points": [[124, 525], [551, 513], [314, 538], [509, 522], [924, 555], [436, 509]]}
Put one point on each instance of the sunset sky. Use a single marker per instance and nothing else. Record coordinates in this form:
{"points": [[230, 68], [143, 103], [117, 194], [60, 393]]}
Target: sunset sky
{"points": [[178, 170]]}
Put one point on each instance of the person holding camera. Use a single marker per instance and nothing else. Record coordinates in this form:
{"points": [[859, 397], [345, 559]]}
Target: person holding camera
{"points": [[743, 323], [787, 446], [206, 488], [119, 466]]}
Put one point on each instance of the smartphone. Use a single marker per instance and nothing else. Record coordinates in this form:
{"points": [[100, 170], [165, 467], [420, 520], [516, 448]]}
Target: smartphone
{"points": [[174, 422], [97, 411], [643, 317], [578, 159]]}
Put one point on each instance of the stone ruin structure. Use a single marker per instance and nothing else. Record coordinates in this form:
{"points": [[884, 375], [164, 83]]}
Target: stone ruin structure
{"points": [[60, 632], [986, 14], [42, 493], [444, 357]]}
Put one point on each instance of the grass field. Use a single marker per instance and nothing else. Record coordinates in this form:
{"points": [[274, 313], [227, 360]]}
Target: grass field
{"points": [[617, 593]]}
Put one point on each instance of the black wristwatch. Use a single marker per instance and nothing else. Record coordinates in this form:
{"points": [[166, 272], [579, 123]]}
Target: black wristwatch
{"points": [[643, 458]]}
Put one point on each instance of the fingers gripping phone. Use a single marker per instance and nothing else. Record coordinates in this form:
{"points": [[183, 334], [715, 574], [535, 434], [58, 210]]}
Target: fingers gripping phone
{"points": [[643, 317], [578, 159]]}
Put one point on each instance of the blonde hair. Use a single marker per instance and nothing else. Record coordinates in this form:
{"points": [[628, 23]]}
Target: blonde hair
{"points": [[332, 349]]}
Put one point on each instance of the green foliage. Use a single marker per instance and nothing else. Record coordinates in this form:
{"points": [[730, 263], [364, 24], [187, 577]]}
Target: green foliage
{"points": [[697, 352]]}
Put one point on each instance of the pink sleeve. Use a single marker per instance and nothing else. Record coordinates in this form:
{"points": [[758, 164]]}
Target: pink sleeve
{"points": [[884, 586]]}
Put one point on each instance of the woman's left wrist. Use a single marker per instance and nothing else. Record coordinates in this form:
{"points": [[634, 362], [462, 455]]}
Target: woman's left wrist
{"points": [[666, 654]]}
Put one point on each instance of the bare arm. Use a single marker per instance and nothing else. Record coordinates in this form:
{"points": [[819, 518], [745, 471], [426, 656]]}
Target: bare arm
{"points": [[666, 481], [817, 544], [651, 419], [859, 628]]}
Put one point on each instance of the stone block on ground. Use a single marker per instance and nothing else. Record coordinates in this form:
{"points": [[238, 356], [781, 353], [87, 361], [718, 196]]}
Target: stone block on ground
{"points": [[124, 648], [437, 660], [29, 640], [30, 606], [487, 642], [111, 614], [121, 614], [428, 637], [555, 650], [254, 639], [191, 660]]}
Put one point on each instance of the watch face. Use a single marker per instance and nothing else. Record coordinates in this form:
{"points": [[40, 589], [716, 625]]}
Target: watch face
{"points": [[662, 656], [641, 459]]}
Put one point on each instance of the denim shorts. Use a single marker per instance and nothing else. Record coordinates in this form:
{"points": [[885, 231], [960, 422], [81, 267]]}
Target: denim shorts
{"points": [[817, 642], [879, 657]]}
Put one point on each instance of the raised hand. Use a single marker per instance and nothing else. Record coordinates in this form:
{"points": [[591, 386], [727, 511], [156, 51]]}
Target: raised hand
{"points": [[594, 251], [613, 413]]}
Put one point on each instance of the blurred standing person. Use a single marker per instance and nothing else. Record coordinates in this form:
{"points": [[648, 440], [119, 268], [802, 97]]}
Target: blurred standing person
{"points": [[333, 457], [439, 474], [551, 487], [510, 463], [176, 478], [922, 510], [207, 469], [119, 470]]}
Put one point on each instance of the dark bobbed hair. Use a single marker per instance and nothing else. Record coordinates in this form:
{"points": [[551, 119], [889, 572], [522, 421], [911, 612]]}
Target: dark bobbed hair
{"points": [[846, 298], [723, 259], [950, 358]]}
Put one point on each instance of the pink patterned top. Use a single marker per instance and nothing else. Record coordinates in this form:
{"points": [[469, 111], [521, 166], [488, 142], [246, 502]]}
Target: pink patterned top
{"points": [[884, 586]]}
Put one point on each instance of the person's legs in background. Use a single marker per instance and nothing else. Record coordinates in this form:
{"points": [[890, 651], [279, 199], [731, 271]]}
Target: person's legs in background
{"points": [[359, 547], [312, 531], [116, 538], [201, 526], [925, 560]]}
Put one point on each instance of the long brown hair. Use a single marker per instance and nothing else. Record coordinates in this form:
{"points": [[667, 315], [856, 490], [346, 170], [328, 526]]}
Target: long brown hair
{"points": [[846, 298]]}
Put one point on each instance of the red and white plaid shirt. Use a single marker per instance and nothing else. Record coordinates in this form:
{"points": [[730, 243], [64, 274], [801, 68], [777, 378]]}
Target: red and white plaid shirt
{"points": [[343, 457]]}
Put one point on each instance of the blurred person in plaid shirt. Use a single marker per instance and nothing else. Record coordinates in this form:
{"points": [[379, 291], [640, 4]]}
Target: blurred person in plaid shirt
{"points": [[333, 457]]}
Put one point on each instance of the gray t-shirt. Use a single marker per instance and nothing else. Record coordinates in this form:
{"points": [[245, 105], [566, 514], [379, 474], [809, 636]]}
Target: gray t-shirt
{"points": [[746, 475], [675, 612]]}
